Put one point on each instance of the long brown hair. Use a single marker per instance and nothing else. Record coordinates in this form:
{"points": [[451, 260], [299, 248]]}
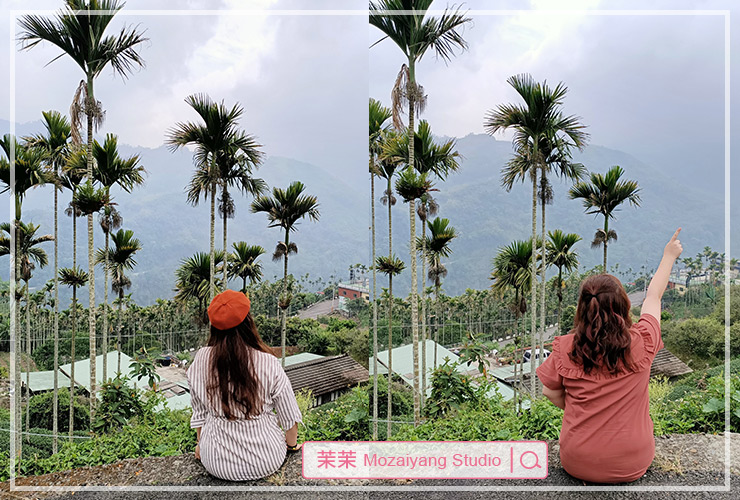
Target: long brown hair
{"points": [[601, 325], [233, 378]]}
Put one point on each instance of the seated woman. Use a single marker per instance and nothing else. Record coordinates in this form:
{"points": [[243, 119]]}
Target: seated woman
{"points": [[599, 375], [235, 384]]}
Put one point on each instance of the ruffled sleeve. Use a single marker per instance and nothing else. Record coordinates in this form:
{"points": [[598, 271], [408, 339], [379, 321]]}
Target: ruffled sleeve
{"points": [[548, 373], [563, 364], [649, 329]]}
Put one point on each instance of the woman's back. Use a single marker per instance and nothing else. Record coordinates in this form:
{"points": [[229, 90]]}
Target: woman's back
{"points": [[243, 448], [607, 433]]}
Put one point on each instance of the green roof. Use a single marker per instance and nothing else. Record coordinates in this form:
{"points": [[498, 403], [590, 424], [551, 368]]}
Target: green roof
{"points": [[301, 358], [44, 381], [403, 362], [403, 365], [82, 369]]}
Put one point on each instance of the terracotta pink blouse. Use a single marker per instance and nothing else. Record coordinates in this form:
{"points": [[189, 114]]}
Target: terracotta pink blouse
{"points": [[607, 433]]}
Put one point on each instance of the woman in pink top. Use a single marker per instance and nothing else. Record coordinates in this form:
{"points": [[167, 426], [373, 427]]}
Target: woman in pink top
{"points": [[244, 409], [599, 375]]}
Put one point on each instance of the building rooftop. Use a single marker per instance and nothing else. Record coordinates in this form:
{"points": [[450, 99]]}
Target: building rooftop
{"points": [[44, 381], [667, 364], [326, 374]]}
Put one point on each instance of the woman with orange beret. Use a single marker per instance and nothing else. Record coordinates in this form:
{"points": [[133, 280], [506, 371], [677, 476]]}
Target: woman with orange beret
{"points": [[244, 410]]}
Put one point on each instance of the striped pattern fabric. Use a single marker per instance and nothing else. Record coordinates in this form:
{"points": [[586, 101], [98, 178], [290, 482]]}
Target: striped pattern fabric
{"points": [[245, 448]]}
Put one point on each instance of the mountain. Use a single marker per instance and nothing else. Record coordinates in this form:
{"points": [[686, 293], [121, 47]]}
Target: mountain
{"points": [[485, 215], [171, 230]]}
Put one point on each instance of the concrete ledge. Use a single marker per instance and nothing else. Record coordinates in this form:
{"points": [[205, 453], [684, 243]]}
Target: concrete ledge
{"points": [[690, 459]]}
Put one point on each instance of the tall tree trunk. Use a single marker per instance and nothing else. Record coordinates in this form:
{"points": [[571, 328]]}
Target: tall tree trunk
{"points": [[560, 298], [226, 251], [606, 238], [375, 305], [74, 322], [55, 404], [15, 314], [118, 328], [72, 369], [423, 313], [516, 334], [436, 325], [390, 354], [283, 320], [212, 274], [28, 362], [390, 308], [91, 251], [412, 250], [534, 285], [543, 310], [105, 309]]}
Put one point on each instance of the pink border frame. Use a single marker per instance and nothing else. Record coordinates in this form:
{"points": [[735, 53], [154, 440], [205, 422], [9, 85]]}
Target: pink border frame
{"points": [[547, 464]]}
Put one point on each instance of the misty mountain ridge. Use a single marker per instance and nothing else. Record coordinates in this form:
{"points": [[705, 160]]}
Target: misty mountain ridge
{"points": [[484, 214]]}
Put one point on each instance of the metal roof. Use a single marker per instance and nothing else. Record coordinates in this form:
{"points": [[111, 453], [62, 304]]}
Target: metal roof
{"points": [[44, 381], [403, 365], [326, 374], [82, 369], [301, 358]]}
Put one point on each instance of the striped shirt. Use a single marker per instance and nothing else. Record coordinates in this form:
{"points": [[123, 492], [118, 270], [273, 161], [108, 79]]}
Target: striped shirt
{"points": [[245, 448]]}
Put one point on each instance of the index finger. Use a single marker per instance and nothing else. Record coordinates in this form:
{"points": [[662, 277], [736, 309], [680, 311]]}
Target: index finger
{"points": [[675, 235]]}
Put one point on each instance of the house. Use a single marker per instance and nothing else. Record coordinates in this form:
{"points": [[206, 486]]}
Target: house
{"points": [[43, 381], [668, 365], [403, 365], [327, 377], [82, 369], [352, 291]]}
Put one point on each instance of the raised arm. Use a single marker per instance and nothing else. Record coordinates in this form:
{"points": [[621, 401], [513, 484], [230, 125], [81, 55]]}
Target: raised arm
{"points": [[672, 250]]}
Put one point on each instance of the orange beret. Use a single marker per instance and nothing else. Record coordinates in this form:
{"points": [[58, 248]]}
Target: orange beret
{"points": [[228, 309]]}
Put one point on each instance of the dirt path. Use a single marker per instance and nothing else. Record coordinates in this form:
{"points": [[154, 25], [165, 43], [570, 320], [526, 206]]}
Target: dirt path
{"points": [[681, 460]]}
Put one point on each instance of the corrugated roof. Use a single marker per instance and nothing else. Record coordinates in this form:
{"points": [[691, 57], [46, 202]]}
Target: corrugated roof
{"points": [[44, 381], [403, 365], [301, 358], [326, 374], [82, 369], [667, 364]]}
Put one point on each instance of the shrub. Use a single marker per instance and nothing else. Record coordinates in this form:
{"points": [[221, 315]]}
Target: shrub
{"points": [[41, 411], [700, 337], [403, 398], [167, 434], [118, 403], [450, 389], [346, 419]]}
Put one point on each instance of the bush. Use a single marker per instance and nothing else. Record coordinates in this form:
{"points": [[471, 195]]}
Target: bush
{"points": [[697, 411], [346, 419], [450, 389], [403, 398], [295, 329], [118, 403], [164, 434], [700, 337], [41, 411], [317, 342]]}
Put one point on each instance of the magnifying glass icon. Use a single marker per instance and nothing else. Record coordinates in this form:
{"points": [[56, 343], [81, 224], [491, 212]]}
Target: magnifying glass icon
{"points": [[536, 460]]}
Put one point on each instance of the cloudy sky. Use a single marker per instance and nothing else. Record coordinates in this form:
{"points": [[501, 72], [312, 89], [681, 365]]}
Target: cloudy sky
{"points": [[302, 80], [649, 85], [652, 86]]}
